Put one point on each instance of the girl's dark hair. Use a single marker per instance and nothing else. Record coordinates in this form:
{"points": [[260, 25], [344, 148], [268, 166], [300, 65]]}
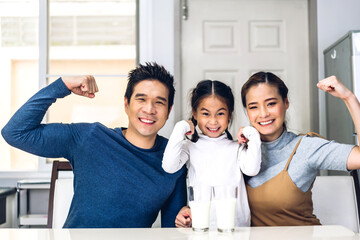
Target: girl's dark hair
{"points": [[268, 78], [206, 88]]}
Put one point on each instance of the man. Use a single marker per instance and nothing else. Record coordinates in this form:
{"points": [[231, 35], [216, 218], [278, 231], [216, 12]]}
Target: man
{"points": [[118, 178]]}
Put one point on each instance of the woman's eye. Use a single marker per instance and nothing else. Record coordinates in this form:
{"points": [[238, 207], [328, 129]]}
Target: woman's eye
{"points": [[252, 107], [271, 103]]}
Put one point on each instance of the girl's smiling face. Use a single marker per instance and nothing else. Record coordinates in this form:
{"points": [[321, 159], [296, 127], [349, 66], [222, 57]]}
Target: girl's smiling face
{"points": [[212, 116], [266, 110]]}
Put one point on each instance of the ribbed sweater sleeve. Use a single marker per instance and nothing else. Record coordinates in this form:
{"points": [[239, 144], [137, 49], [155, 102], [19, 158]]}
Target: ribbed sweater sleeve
{"points": [[175, 202]]}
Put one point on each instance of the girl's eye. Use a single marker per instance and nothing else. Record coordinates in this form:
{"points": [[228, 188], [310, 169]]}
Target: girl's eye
{"points": [[205, 114]]}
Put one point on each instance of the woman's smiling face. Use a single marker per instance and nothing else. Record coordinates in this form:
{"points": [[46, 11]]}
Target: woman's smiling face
{"points": [[266, 110]]}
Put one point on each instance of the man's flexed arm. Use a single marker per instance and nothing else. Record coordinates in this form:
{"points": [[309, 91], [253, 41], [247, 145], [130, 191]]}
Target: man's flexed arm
{"points": [[25, 131]]}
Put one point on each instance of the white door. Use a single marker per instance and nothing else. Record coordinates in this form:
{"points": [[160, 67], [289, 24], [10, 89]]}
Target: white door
{"points": [[228, 40]]}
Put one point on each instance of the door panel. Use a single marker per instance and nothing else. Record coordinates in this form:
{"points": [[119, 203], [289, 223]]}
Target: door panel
{"points": [[228, 40]]}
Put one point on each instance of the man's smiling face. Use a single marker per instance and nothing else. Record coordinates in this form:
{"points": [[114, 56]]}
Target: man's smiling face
{"points": [[147, 109]]}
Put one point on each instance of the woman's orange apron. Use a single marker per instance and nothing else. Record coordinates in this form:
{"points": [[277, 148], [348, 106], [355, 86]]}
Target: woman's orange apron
{"points": [[279, 202]]}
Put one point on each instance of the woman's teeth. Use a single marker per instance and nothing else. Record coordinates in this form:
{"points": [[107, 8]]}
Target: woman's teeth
{"points": [[265, 123]]}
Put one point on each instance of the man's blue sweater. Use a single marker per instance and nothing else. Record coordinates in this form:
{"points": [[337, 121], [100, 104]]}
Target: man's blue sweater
{"points": [[116, 184]]}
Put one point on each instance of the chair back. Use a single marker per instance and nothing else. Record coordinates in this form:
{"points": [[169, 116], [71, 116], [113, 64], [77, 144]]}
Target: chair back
{"points": [[335, 201], [157, 223], [61, 193]]}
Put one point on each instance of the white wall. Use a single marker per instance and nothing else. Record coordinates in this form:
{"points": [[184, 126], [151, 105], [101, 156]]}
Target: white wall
{"points": [[159, 36], [334, 19]]}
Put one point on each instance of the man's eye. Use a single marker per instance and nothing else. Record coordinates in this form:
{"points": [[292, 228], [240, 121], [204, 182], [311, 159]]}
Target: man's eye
{"points": [[161, 103]]}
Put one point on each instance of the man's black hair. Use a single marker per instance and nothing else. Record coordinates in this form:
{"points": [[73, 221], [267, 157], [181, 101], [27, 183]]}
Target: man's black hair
{"points": [[150, 71]]}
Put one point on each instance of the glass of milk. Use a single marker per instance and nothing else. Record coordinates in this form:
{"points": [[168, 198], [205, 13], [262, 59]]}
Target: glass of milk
{"points": [[199, 202], [225, 207]]}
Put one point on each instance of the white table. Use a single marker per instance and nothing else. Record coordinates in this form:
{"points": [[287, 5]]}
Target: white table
{"points": [[246, 233]]}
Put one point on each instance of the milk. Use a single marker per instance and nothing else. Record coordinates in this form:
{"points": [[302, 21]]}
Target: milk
{"points": [[200, 213], [225, 214]]}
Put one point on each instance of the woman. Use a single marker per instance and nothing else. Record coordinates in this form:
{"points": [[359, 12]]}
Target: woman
{"points": [[281, 193]]}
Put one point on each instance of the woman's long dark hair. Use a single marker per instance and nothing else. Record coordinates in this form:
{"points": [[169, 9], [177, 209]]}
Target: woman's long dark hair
{"points": [[206, 88], [268, 78]]}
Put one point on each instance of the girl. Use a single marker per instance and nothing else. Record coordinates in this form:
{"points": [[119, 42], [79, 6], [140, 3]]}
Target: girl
{"points": [[281, 193], [211, 156]]}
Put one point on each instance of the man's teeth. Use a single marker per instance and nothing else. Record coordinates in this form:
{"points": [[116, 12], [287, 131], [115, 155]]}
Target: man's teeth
{"points": [[146, 120], [264, 123]]}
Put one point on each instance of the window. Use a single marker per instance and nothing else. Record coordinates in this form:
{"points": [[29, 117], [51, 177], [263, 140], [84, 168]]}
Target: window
{"points": [[81, 37]]}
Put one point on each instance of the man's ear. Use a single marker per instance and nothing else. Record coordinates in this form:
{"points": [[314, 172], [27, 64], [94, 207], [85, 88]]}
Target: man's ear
{"points": [[126, 104], [169, 112]]}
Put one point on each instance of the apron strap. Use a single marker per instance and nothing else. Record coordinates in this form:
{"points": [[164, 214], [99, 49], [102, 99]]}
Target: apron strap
{"points": [[312, 134], [292, 154]]}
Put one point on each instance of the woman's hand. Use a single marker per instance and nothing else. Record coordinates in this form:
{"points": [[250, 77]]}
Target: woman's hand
{"points": [[333, 86], [183, 219]]}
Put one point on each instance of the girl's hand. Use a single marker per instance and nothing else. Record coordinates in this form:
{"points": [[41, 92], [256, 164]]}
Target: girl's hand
{"points": [[241, 137], [248, 134], [333, 86], [191, 132], [183, 219]]}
